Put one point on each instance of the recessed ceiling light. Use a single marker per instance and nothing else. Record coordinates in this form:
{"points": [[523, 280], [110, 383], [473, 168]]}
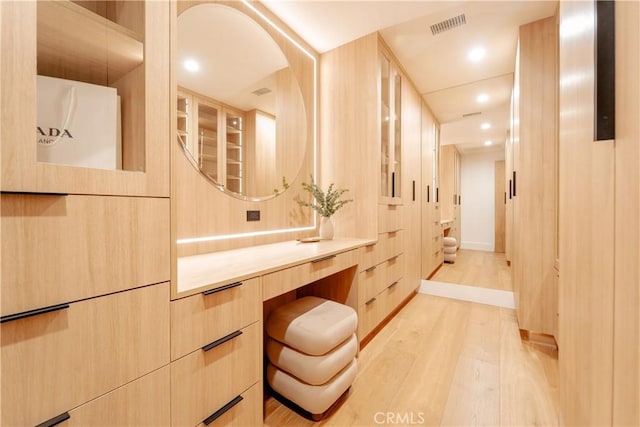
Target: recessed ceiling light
{"points": [[488, 143], [485, 126], [191, 65], [477, 54], [482, 98]]}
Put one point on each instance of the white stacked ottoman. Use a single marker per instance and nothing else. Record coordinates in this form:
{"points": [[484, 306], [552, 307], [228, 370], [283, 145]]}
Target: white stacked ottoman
{"points": [[450, 248], [311, 347]]}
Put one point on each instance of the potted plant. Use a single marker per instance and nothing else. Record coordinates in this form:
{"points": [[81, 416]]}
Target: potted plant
{"points": [[326, 204]]}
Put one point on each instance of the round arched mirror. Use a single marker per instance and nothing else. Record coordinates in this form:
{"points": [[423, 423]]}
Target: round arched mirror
{"points": [[241, 113]]}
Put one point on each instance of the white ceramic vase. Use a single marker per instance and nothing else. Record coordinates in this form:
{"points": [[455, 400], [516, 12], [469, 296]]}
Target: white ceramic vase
{"points": [[326, 228]]}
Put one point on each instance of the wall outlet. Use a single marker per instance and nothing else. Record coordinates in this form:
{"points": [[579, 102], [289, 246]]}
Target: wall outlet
{"points": [[253, 215]]}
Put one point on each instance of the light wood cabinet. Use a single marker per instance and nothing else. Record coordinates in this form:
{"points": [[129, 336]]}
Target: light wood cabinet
{"points": [[206, 380], [390, 129], [533, 181], [121, 45], [431, 232], [243, 412], [145, 401], [56, 361], [58, 249], [200, 319]]}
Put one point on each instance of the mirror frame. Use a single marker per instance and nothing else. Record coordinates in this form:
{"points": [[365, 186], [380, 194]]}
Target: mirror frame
{"points": [[310, 146]]}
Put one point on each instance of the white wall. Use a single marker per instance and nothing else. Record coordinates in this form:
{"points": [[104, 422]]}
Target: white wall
{"points": [[478, 210]]}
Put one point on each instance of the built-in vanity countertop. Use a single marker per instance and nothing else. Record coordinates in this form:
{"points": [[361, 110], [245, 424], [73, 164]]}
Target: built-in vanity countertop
{"points": [[198, 273]]}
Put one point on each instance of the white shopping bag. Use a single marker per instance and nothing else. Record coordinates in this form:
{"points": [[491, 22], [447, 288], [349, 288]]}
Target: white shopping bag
{"points": [[78, 124]]}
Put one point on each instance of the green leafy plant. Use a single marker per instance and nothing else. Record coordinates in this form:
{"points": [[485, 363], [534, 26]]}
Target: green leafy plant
{"points": [[326, 204]]}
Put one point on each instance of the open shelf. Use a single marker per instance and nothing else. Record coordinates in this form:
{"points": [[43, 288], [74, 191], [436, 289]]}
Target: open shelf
{"points": [[77, 44]]}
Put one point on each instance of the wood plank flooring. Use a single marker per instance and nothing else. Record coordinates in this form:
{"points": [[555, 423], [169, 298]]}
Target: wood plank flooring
{"points": [[445, 362], [477, 268]]}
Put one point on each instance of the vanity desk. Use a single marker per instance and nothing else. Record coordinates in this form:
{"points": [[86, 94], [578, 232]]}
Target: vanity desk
{"points": [[217, 319]]}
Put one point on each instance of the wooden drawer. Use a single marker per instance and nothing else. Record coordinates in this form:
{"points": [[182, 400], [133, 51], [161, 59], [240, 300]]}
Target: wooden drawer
{"points": [[369, 316], [245, 413], [204, 381], [283, 281], [58, 249], [392, 296], [56, 361], [200, 319], [389, 218], [389, 245], [367, 256], [394, 269], [370, 282], [143, 402]]}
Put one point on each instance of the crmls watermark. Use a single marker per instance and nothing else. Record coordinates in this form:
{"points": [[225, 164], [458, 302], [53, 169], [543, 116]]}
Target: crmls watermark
{"points": [[399, 418]]}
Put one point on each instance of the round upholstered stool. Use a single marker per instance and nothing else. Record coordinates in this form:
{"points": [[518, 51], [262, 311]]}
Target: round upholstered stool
{"points": [[449, 241], [311, 347], [312, 325]]}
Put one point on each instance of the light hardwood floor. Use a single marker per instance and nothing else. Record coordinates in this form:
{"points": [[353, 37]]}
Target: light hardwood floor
{"points": [[477, 268], [445, 362]]}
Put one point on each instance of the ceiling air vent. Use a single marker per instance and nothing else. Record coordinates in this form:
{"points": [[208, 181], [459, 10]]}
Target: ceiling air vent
{"points": [[262, 91], [477, 113], [448, 24]]}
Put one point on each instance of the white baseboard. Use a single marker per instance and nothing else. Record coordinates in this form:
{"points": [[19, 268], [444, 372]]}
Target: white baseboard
{"points": [[476, 294], [477, 246]]}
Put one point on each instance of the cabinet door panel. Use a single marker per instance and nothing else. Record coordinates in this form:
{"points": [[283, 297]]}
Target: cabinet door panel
{"points": [[204, 381], [144, 401], [56, 361], [58, 249], [200, 319]]}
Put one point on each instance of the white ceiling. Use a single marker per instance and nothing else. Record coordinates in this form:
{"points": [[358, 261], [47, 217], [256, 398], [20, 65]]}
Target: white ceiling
{"points": [[437, 65]]}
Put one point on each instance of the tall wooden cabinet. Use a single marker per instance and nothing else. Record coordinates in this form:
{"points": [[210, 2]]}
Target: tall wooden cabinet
{"points": [[368, 101], [533, 178], [85, 266], [431, 230], [599, 324]]}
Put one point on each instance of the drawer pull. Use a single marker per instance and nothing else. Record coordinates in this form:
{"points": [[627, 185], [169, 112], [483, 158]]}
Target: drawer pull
{"points": [[324, 258], [34, 193], [222, 340], [35, 312], [370, 269], [393, 284], [370, 301], [392, 259], [211, 418], [55, 420], [222, 288]]}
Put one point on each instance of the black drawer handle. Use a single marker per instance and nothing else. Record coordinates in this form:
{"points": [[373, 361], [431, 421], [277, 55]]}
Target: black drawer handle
{"points": [[222, 288], [211, 418], [514, 183], [370, 269], [393, 284], [370, 301], [35, 312], [222, 340], [324, 258], [55, 420], [428, 193], [437, 194], [413, 191], [34, 193]]}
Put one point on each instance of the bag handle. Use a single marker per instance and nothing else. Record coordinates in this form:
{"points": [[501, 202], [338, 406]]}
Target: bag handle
{"points": [[71, 105]]}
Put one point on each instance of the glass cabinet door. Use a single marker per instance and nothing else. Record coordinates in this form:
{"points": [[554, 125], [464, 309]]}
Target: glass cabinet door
{"points": [[390, 130]]}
